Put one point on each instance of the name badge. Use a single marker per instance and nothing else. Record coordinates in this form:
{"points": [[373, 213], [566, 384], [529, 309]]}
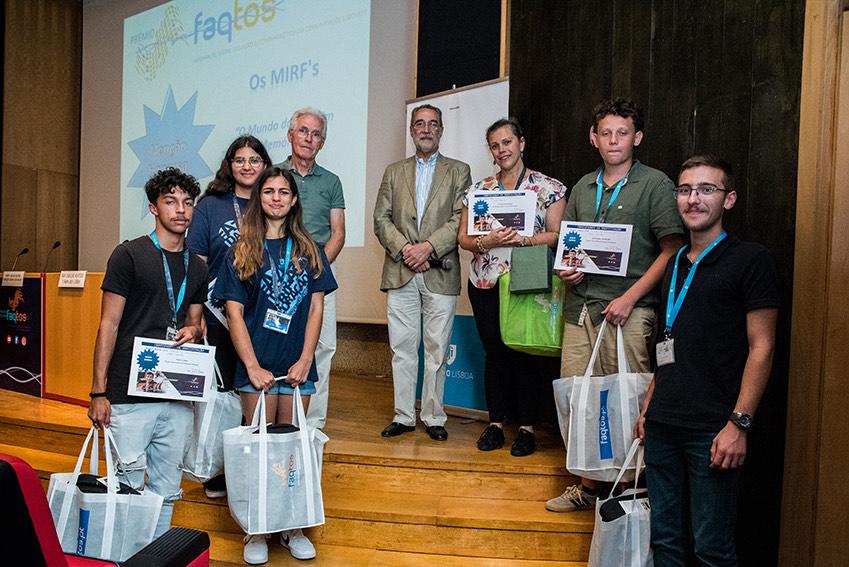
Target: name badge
{"points": [[171, 333], [665, 351], [276, 321]]}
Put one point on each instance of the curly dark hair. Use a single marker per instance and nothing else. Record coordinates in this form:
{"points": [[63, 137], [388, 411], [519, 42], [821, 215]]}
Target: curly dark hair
{"points": [[166, 180], [223, 182], [619, 107]]}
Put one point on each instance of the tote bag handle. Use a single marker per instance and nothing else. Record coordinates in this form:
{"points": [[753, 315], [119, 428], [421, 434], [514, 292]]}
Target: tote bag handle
{"points": [[306, 453], [583, 395]]}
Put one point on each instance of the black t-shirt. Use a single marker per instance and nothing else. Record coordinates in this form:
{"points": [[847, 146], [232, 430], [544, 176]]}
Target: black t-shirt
{"points": [[699, 390], [135, 272]]}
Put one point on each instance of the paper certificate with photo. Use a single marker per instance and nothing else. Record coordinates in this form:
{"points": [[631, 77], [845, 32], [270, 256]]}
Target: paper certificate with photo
{"points": [[158, 370], [594, 248], [513, 209]]}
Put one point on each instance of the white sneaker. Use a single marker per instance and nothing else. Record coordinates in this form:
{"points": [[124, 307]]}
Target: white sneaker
{"points": [[256, 550], [297, 543]]}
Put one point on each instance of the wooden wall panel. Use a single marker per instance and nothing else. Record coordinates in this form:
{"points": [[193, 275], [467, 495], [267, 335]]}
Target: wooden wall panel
{"points": [[41, 107], [41, 129], [18, 215], [713, 76], [830, 540], [808, 445], [58, 200]]}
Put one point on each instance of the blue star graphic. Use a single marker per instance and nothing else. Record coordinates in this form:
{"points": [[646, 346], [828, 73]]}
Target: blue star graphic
{"points": [[171, 139]]}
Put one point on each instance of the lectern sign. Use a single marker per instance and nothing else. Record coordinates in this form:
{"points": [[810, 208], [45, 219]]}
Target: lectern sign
{"points": [[68, 278]]}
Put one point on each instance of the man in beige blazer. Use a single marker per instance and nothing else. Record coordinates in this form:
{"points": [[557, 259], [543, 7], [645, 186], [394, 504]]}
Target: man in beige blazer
{"points": [[416, 218]]}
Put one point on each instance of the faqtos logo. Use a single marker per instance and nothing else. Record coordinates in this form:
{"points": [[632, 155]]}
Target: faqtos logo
{"points": [[12, 314], [242, 16]]}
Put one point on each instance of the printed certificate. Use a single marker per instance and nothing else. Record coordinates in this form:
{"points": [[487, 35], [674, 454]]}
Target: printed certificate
{"points": [[491, 209], [594, 248], [158, 370]]}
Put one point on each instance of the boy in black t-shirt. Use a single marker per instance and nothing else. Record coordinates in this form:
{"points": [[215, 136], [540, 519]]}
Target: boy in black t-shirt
{"points": [[719, 306], [150, 435]]}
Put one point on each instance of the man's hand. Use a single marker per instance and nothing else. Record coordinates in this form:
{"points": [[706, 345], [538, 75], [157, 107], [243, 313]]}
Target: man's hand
{"points": [[261, 379], [639, 431], [571, 276], [728, 450], [416, 255], [100, 412], [186, 334], [619, 309]]}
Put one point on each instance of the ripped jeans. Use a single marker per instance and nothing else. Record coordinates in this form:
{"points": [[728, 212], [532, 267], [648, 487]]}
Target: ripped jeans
{"points": [[152, 437]]}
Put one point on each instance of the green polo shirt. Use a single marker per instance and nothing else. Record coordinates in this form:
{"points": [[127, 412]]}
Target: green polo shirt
{"points": [[319, 191], [646, 202]]}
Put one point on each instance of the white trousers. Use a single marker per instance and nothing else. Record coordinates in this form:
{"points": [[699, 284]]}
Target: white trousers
{"points": [[324, 351], [409, 309]]}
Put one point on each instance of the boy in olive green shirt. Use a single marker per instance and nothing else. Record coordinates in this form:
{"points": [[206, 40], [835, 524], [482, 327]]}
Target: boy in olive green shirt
{"points": [[645, 200]]}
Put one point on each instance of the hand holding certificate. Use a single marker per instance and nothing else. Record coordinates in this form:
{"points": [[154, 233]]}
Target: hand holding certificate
{"points": [[511, 209], [594, 248], [161, 370]]}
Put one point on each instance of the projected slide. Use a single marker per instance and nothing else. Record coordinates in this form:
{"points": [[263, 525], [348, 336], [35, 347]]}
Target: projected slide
{"points": [[199, 73]]}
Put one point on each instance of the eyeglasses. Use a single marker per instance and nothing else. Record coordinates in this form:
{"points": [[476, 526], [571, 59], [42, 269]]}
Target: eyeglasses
{"points": [[253, 160], [421, 124], [700, 189], [303, 132]]}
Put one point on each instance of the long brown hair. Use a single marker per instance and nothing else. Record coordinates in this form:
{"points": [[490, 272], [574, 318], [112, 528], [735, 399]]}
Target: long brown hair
{"points": [[248, 250]]}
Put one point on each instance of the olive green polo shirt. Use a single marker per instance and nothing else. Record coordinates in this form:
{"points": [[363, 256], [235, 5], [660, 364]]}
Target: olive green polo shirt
{"points": [[319, 191], [647, 203]]}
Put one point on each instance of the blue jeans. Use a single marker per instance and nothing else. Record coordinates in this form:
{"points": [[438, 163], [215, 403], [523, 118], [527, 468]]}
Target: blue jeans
{"points": [[686, 494], [152, 438]]}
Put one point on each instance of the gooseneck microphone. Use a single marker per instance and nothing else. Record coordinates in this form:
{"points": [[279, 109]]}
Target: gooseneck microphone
{"points": [[56, 245], [21, 253]]}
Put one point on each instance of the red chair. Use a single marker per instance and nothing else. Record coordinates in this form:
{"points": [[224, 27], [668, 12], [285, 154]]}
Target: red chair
{"points": [[28, 536]]}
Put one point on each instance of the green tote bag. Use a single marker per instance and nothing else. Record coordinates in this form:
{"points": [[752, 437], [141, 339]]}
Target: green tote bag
{"points": [[532, 322]]}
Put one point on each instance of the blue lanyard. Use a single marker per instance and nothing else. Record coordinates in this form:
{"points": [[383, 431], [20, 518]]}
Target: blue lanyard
{"points": [[238, 211], [518, 183], [673, 304], [600, 189], [169, 286], [276, 286]]}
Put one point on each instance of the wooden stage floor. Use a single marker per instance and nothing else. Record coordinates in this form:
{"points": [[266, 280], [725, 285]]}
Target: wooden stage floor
{"points": [[406, 500]]}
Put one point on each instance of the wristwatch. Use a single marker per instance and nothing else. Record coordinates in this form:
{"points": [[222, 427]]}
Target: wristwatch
{"points": [[742, 420]]}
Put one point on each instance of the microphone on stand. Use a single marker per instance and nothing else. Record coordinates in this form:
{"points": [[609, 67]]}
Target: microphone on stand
{"points": [[441, 263], [56, 245], [21, 253]]}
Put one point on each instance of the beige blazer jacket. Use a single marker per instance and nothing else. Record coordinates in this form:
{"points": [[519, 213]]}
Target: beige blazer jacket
{"points": [[395, 221]]}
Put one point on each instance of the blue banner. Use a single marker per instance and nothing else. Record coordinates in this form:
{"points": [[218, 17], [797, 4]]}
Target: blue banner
{"points": [[465, 364]]}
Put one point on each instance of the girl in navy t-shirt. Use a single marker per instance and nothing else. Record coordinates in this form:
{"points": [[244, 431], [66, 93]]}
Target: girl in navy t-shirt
{"points": [[273, 283]]}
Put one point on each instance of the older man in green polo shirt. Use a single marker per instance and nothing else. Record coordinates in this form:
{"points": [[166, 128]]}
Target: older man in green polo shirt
{"points": [[621, 191], [323, 206]]}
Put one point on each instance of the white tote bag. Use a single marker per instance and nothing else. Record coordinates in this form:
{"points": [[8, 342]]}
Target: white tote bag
{"points": [[274, 480], [204, 456], [107, 526], [622, 532], [597, 415]]}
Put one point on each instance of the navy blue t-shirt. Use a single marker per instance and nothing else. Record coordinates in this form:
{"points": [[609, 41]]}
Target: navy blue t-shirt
{"points": [[275, 352], [214, 230]]}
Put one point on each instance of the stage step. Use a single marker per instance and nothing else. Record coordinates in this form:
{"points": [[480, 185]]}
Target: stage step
{"points": [[227, 550], [406, 500]]}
